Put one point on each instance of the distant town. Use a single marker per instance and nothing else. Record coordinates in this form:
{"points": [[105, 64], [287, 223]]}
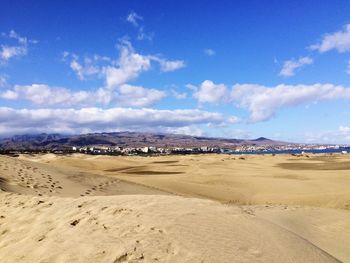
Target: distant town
{"points": [[151, 150], [145, 144], [205, 149]]}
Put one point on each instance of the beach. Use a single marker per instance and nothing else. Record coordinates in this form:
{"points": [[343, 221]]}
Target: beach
{"points": [[178, 208]]}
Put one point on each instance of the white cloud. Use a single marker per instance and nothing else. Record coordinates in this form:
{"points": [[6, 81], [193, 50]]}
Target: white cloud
{"points": [[186, 130], [124, 95], [209, 52], [290, 66], [263, 102], [8, 52], [227, 123], [143, 35], [41, 94], [341, 135], [170, 65], [232, 120], [3, 81], [191, 87], [21, 40], [9, 95], [116, 73], [137, 96], [19, 49], [87, 67], [344, 129], [209, 92], [240, 134], [134, 19], [81, 71], [178, 95], [339, 40], [78, 69], [97, 119], [128, 67]]}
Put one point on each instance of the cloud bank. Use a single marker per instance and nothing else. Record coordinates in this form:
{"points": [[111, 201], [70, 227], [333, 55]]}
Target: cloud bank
{"points": [[98, 119], [44, 95], [263, 102]]}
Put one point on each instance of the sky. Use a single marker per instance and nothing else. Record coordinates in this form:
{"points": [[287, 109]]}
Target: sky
{"points": [[235, 69]]}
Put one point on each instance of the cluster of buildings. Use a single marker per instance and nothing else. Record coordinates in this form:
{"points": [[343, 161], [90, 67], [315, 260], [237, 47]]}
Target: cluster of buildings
{"points": [[145, 150], [151, 150]]}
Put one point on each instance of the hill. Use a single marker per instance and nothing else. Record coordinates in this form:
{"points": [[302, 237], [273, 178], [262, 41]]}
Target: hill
{"points": [[123, 139]]}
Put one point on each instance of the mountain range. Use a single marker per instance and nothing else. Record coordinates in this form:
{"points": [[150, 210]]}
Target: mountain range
{"points": [[123, 139]]}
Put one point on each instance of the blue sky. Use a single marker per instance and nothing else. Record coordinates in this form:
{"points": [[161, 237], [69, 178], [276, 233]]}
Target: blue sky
{"points": [[242, 69]]}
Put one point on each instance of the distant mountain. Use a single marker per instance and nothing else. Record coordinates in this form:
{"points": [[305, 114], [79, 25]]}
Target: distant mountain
{"points": [[261, 139], [123, 139]]}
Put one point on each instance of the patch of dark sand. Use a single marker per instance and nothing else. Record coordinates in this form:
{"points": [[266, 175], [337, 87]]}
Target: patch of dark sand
{"points": [[165, 162], [316, 166]]}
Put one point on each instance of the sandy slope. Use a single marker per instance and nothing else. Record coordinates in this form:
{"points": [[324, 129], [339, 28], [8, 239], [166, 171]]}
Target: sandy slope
{"points": [[325, 228], [143, 228], [39, 177], [126, 213]]}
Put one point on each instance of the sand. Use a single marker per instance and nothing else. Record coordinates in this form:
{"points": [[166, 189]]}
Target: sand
{"points": [[35, 178], [256, 179], [200, 208]]}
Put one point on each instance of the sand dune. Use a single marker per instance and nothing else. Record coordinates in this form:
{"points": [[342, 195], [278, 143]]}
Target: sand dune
{"points": [[148, 228], [228, 179], [38, 177], [82, 208]]}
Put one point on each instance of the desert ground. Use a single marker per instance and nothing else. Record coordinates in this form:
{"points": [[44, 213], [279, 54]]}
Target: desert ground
{"points": [[180, 208]]}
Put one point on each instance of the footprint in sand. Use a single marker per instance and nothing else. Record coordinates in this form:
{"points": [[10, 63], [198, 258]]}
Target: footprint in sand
{"points": [[41, 238], [102, 186]]}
